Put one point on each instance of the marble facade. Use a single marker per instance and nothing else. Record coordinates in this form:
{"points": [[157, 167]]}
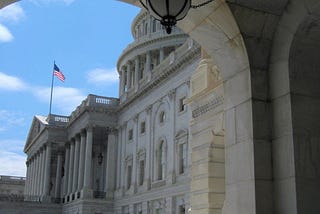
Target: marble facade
{"points": [[126, 155]]}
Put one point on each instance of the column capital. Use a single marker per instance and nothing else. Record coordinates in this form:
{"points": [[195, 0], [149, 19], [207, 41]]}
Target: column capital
{"points": [[48, 144], [148, 109], [136, 117], [124, 125], [77, 137], [89, 128], [83, 133], [43, 147], [172, 93], [111, 130], [187, 82]]}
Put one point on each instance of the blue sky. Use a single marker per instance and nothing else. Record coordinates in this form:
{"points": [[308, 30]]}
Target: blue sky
{"points": [[84, 39]]}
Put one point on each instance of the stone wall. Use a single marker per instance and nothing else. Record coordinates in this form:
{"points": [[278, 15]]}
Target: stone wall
{"points": [[31, 207]]}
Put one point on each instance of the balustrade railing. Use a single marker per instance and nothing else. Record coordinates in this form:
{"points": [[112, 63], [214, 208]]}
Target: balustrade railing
{"points": [[11, 178], [58, 120], [91, 101]]}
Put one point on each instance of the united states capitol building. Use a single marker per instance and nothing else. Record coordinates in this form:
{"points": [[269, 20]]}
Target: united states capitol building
{"points": [[130, 154], [226, 123]]}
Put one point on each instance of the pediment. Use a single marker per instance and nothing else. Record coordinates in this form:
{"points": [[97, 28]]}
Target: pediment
{"points": [[38, 124]]}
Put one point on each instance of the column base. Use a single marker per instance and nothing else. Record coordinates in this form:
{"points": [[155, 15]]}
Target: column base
{"points": [[86, 193], [109, 194]]}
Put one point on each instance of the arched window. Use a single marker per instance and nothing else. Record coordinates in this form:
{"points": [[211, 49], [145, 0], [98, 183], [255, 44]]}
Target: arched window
{"points": [[162, 161], [162, 117]]}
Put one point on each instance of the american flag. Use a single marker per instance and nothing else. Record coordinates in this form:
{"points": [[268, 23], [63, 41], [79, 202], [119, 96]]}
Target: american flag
{"points": [[58, 73]]}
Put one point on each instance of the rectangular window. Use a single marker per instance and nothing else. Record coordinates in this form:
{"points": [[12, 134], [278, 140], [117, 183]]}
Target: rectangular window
{"points": [[182, 209], [141, 172], [182, 158], [130, 134], [129, 176], [182, 105], [143, 127]]}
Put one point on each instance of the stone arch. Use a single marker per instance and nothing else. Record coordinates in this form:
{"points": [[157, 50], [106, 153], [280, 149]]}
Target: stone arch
{"points": [[295, 95], [216, 30]]}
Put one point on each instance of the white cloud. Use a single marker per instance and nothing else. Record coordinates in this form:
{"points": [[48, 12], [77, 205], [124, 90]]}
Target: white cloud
{"points": [[101, 76], [11, 83], [66, 99], [13, 12], [12, 158], [5, 34], [12, 163]]}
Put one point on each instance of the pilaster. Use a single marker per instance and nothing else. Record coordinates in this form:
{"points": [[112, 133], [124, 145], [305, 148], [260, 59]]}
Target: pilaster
{"points": [[207, 129]]}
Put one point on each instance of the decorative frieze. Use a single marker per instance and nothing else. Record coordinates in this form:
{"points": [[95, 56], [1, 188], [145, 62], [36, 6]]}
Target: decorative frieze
{"points": [[209, 106]]}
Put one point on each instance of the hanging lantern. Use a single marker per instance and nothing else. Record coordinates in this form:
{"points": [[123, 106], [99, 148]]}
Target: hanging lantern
{"points": [[168, 12]]}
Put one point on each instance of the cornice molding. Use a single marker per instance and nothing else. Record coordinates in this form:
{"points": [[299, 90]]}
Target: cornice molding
{"points": [[137, 44]]}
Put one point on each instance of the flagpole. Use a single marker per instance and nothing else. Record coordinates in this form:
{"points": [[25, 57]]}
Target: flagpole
{"points": [[51, 88]]}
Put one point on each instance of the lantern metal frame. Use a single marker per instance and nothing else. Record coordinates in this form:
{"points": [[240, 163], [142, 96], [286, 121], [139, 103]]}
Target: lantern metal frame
{"points": [[168, 21]]}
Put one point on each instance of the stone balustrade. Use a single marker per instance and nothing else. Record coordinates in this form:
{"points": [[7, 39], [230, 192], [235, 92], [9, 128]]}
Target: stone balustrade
{"points": [[11, 178], [57, 120]]}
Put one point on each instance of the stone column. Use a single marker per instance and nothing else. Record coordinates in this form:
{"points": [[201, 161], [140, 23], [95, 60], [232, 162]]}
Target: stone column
{"points": [[37, 186], [123, 79], [27, 178], [161, 55], [120, 83], [87, 188], [31, 176], [148, 65], [43, 159], [136, 73], [47, 170], [66, 170], [34, 174], [76, 164], [58, 176], [111, 163], [71, 163], [81, 160], [128, 76]]}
